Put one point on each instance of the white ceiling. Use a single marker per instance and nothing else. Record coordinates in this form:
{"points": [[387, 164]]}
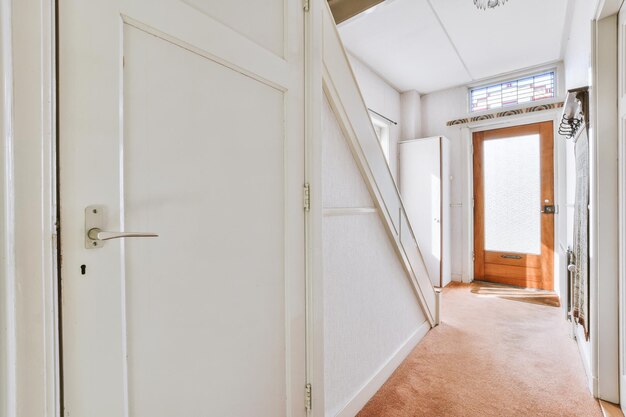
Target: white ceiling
{"points": [[430, 45]]}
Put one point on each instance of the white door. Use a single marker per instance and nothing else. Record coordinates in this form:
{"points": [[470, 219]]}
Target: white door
{"points": [[622, 199], [183, 118], [420, 186]]}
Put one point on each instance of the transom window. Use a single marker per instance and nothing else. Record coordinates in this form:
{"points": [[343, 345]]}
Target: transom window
{"points": [[509, 93]]}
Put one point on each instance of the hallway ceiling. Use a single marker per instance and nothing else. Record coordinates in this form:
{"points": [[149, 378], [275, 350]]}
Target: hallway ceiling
{"points": [[431, 45]]}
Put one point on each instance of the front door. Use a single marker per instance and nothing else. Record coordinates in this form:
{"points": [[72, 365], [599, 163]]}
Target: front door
{"points": [[182, 118], [514, 206]]}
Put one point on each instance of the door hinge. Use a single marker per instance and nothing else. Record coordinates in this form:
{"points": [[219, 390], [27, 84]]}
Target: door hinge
{"points": [[473, 256], [306, 5], [307, 396], [307, 197]]}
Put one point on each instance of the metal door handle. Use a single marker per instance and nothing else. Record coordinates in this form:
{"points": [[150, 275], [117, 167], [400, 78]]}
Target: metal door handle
{"points": [[97, 234], [95, 221]]}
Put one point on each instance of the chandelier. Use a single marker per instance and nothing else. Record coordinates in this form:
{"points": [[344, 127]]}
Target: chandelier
{"points": [[488, 4]]}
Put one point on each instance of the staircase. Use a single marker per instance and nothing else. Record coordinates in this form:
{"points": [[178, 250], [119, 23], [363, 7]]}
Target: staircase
{"points": [[343, 94]]}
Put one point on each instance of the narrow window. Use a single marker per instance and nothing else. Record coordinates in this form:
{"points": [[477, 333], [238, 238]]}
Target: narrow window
{"points": [[381, 127]]}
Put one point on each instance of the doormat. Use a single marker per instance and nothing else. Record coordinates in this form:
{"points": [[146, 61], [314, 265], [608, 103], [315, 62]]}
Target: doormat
{"points": [[525, 295]]}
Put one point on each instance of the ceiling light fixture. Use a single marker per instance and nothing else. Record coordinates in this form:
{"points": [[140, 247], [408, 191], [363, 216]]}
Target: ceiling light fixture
{"points": [[488, 4]]}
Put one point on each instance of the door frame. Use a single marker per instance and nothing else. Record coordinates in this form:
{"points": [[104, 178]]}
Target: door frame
{"points": [[467, 134], [29, 347], [604, 202], [313, 73], [621, 74]]}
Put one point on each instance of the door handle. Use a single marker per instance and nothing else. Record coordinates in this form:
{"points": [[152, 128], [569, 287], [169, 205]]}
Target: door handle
{"points": [[97, 234], [95, 229]]}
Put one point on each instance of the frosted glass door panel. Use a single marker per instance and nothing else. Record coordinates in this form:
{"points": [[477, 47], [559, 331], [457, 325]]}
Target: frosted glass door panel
{"points": [[512, 181]]}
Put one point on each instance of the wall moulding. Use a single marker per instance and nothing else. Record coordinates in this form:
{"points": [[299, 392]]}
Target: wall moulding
{"points": [[505, 113]]}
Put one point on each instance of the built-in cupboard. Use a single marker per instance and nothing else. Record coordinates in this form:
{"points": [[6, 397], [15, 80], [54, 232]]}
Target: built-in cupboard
{"points": [[425, 189]]}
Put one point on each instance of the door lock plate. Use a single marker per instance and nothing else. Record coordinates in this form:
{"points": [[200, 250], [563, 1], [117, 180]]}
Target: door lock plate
{"points": [[549, 209], [94, 218]]}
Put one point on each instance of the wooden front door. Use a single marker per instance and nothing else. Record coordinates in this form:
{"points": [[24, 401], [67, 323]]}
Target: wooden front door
{"points": [[514, 205]]}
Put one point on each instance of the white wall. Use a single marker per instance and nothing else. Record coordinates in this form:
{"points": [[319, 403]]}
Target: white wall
{"points": [[411, 107], [577, 53], [384, 99], [371, 313]]}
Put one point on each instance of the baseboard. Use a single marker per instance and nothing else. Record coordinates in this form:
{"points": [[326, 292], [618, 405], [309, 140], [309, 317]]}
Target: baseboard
{"points": [[584, 349], [457, 277], [367, 391]]}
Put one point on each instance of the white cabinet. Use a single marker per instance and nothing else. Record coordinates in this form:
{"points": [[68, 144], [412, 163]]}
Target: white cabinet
{"points": [[425, 189]]}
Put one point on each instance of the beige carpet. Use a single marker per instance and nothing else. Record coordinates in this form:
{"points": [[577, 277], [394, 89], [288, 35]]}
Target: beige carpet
{"points": [[489, 357]]}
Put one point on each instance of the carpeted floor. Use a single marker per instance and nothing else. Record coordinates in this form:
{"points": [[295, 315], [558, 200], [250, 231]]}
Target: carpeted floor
{"points": [[489, 357]]}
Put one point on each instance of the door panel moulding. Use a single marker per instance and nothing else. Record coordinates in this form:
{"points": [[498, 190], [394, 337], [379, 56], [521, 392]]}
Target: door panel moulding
{"points": [[349, 211], [7, 220]]}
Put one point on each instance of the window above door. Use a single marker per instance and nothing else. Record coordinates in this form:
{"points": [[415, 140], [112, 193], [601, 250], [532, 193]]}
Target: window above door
{"points": [[527, 89]]}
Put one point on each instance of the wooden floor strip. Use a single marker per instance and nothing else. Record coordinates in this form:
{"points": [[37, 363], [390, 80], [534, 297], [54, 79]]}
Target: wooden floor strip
{"points": [[610, 409]]}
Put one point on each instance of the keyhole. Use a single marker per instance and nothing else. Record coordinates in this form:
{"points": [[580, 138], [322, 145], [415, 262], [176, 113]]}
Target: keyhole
{"points": [[83, 269]]}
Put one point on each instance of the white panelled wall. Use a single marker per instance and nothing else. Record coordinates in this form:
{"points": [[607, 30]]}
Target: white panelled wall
{"points": [[372, 315]]}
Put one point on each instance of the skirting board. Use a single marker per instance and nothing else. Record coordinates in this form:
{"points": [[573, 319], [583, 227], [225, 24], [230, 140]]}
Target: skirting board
{"points": [[584, 349], [372, 386], [457, 277]]}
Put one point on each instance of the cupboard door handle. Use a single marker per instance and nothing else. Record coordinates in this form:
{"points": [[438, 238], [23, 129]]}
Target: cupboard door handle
{"points": [[95, 222]]}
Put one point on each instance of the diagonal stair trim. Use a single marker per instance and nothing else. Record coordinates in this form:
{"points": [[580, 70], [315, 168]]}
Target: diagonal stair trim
{"points": [[345, 98]]}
